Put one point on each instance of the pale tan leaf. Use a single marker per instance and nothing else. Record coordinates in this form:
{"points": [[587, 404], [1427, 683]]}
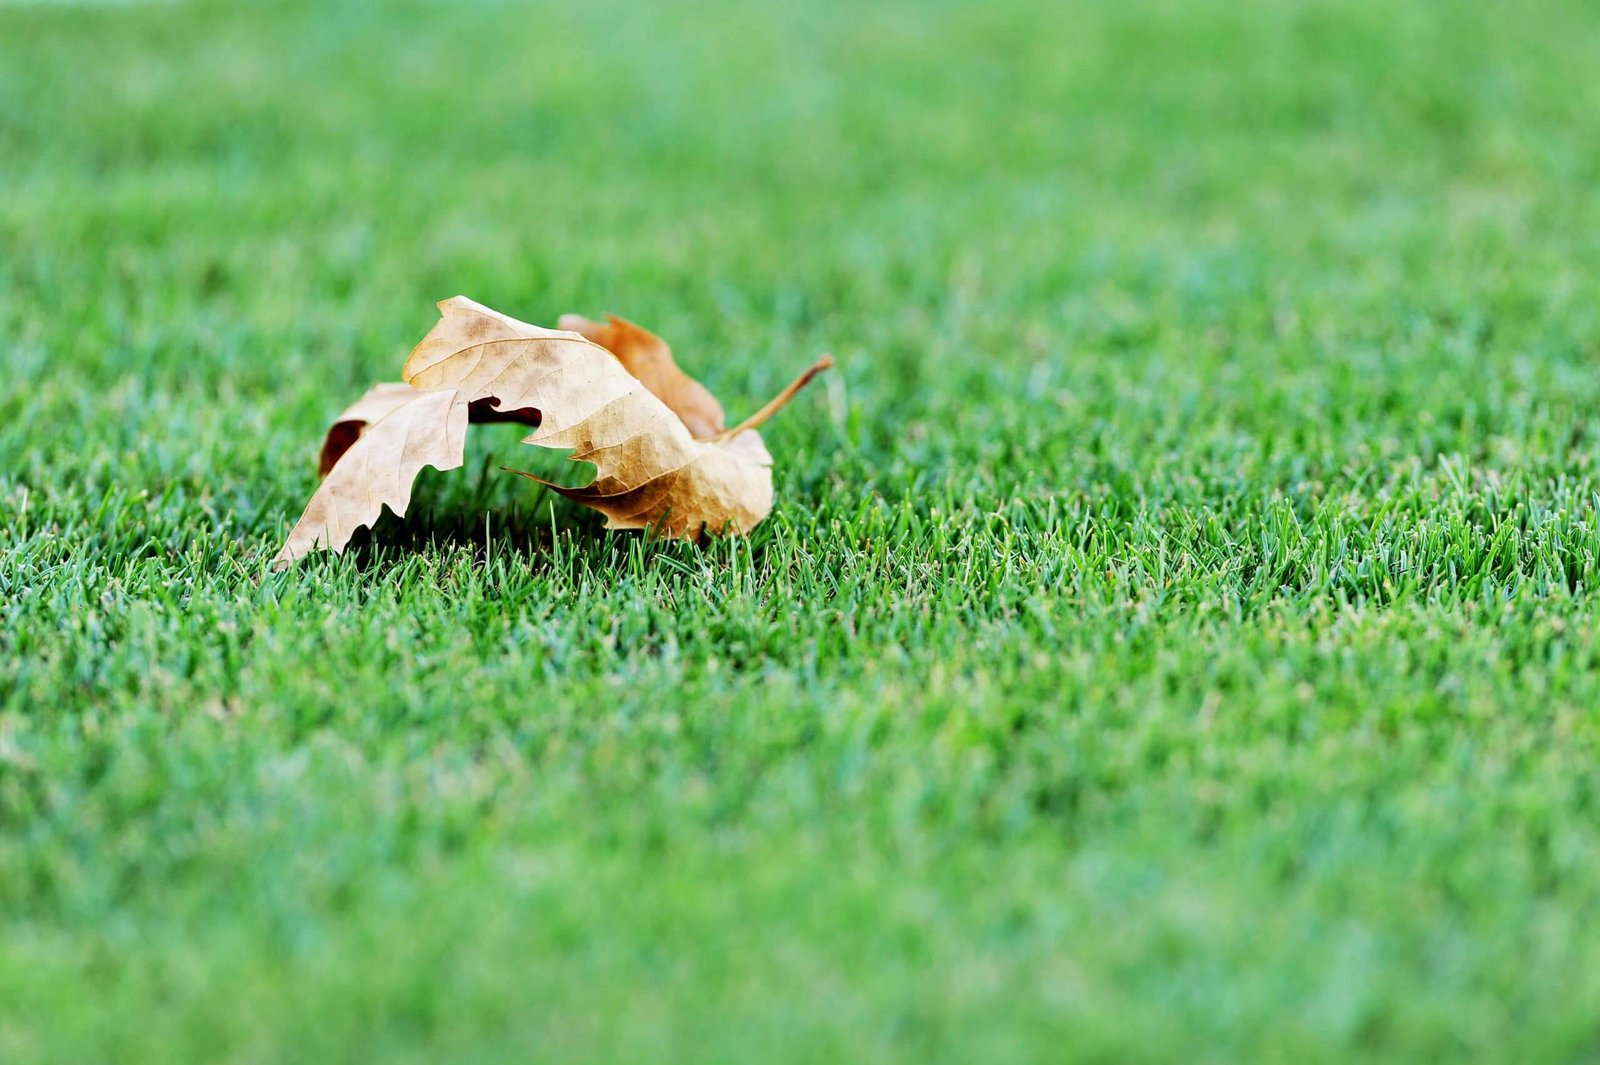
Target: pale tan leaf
{"points": [[626, 409]]}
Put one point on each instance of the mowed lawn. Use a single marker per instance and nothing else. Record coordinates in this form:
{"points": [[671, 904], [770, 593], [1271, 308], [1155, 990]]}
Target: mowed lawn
{"points": [[1175, 638]]}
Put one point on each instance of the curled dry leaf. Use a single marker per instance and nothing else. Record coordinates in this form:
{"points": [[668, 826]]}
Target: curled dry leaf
{"points": [[609, 391]]}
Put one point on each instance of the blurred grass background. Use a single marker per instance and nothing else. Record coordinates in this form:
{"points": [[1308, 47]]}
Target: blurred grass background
{"points": [[1174, 639]]}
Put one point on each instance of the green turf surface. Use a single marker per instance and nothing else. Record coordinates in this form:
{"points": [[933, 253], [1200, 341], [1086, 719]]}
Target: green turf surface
{"points": [[1175, 638]]}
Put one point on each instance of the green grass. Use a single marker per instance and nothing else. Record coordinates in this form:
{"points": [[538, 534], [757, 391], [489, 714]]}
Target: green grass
{"points": [[1175, 638]]}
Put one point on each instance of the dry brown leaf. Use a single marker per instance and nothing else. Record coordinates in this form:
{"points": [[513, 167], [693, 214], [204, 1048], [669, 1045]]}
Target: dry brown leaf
{"points": [[610, 392]]}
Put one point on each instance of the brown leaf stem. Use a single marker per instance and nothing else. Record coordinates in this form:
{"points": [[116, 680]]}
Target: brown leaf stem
{"points": [[776, 403]]}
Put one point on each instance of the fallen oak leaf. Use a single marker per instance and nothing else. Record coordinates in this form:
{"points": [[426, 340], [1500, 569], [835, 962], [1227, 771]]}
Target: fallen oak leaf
{"points": [[627, 409]]}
